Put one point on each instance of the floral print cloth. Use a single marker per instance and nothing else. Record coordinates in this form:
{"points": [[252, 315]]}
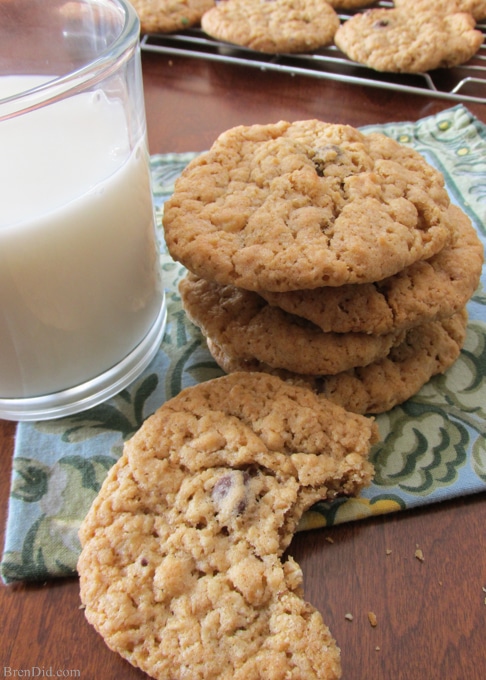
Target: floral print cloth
{"points": [[433, 446]]}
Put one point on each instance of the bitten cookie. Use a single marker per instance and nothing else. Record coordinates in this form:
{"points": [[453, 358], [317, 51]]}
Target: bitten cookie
{"points": [[399, 41], [475, 7], [245, 326], [287, 206], [426, 290], [426, 351], [273, 26], [181, 568], [167, 16]]}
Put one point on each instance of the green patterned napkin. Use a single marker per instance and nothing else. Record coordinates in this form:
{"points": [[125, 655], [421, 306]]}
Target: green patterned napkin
{"points": [[433, 446]]}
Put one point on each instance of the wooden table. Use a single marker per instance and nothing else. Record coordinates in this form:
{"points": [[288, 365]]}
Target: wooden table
{"points": [[431, 615]]}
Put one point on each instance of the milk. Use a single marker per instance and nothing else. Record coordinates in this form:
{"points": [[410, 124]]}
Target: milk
{"points": [[79, 282]]}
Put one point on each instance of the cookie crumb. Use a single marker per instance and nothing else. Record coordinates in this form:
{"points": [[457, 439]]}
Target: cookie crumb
{"points": [[419, 554], [372, 619], [377, 649], [329, 539], [348, 617], [388, 551]]}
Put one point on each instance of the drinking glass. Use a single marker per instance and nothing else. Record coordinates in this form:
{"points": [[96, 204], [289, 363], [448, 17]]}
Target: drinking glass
{"points": [[82, 307]]}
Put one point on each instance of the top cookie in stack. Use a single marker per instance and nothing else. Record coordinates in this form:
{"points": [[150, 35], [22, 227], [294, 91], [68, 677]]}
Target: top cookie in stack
{"points": [[324, 255]]}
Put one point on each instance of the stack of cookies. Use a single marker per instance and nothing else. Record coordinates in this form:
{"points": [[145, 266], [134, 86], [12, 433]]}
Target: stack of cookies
{"points": [[325, 256]]}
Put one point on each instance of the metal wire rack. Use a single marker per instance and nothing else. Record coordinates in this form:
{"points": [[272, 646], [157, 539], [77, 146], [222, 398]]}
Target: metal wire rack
{"points": [[464, 83]]}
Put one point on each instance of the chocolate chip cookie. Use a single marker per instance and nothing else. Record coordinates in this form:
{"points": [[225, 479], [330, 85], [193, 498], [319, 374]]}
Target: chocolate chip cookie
{"points": [[181, 569], [273, 26], [289, 206], [400, 41]]}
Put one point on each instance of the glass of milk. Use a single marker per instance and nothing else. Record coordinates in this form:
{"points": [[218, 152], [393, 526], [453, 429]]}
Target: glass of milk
{"points": [[82, 308]]}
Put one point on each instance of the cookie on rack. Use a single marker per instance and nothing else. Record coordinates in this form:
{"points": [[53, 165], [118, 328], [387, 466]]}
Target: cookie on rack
{"points": [[399, 41], [286, 206], [477, 8], [244, 325], [274, 26], [428, 289], [168, 16], [427, 350], [182, 551]]}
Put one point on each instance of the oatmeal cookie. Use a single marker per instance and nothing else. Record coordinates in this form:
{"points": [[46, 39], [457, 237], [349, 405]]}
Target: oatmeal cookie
{"points": [[181, 569], [426, 290], [167, 16], [242, 323], [426, 351], [477, 8], [398, 41], [273, 26], [287, 206]]}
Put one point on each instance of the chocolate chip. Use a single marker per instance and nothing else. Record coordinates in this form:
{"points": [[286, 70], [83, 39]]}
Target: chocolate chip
{"points": [[324, 155], [229, 494], [221, 488]]}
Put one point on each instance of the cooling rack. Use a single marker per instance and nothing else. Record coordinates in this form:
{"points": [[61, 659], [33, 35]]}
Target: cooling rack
{"points": [[465, 83]]}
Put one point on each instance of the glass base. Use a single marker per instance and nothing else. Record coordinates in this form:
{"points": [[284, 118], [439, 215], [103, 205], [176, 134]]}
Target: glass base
{"points": [[92, 392]]}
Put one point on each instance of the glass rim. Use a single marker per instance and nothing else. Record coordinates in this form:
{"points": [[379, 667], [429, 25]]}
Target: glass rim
{"points": [[93, 71]]}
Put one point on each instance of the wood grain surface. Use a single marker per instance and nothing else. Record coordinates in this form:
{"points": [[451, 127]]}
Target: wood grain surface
{"points": [[430, 613]]}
